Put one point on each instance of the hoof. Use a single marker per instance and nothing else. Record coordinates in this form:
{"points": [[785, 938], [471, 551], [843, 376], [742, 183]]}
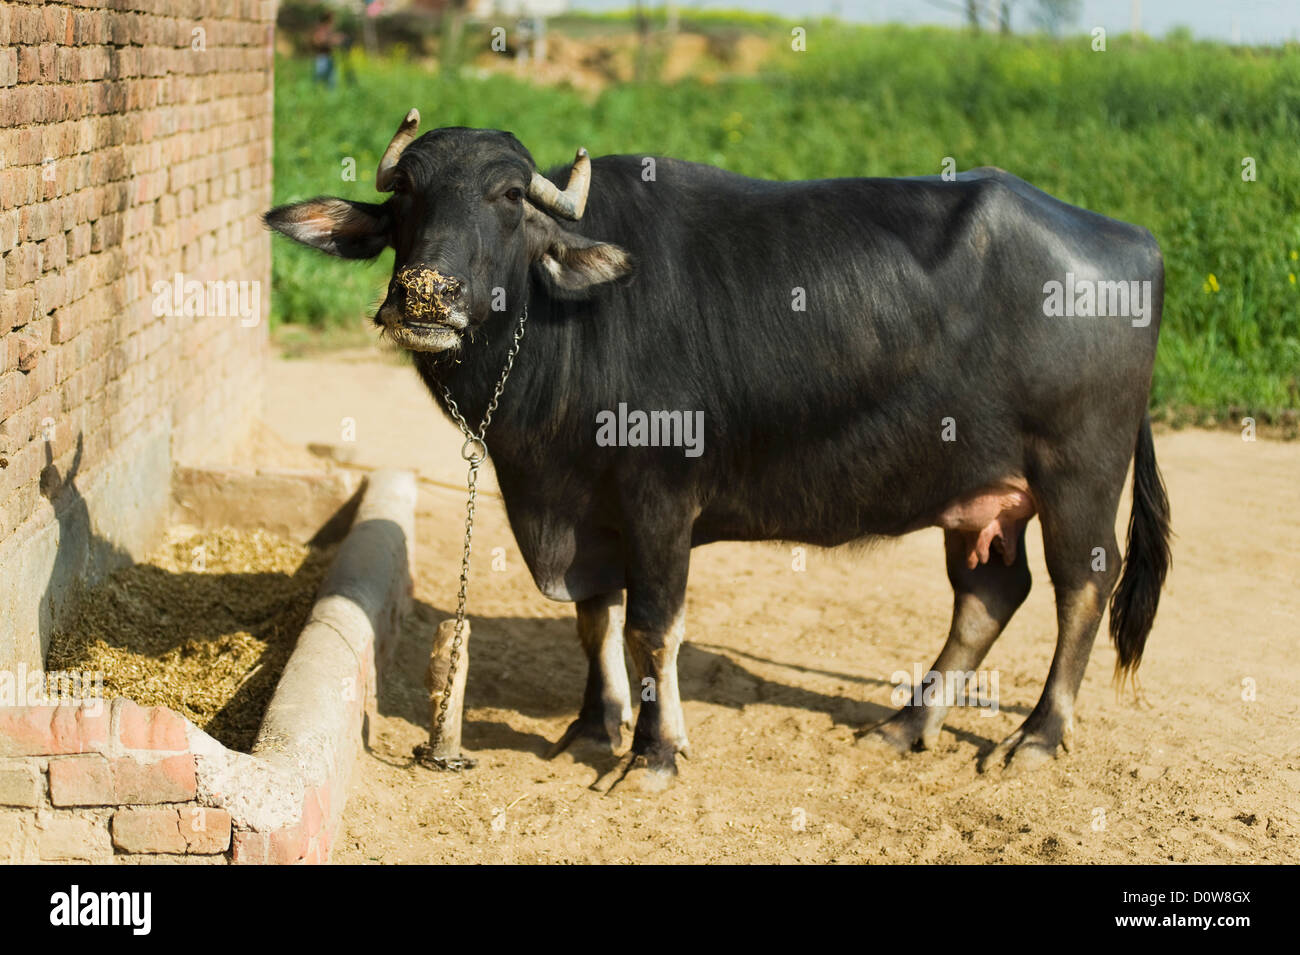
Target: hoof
{"points": [[586, 740], [640, 772], [1025, 750], [904, 732]]}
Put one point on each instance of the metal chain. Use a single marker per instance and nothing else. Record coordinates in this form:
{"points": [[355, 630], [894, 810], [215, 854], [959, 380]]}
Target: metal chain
{"points": [[474, 451]]}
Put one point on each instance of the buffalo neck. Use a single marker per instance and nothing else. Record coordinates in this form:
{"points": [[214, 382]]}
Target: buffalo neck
{"points": [[472, 373]]}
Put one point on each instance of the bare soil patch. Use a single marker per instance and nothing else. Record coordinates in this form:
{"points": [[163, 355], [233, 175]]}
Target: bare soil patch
{"points": [[782, 666]]}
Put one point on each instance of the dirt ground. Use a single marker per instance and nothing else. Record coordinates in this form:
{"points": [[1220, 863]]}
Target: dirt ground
{"points": [[591, 64], [781, 667]]}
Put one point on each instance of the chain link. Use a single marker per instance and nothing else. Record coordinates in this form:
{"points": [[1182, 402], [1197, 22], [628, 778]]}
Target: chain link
{"points": [[474, 451]]}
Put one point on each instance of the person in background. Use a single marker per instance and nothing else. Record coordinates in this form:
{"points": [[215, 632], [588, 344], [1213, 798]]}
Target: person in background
{"points": [[324, 40]]}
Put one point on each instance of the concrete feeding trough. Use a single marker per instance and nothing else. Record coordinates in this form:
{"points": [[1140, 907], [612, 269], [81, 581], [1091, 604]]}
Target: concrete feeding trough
{"points": [[111, 781]]}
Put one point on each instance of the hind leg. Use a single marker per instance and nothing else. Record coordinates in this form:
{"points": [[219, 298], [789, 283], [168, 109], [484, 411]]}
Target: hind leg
{"points": [[1078, 517], [984, 599]]}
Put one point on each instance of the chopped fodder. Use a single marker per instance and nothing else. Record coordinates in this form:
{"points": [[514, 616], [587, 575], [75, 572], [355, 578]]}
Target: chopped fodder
{"points": [[205, 627]]}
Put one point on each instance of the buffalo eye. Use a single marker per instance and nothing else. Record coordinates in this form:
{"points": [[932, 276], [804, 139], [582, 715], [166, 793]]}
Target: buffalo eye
{"points": [[514, 194]]}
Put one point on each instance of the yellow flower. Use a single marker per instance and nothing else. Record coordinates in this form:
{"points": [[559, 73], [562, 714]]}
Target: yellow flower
{"points": [[1291, 277], [1294, 255], [1211, 284]]}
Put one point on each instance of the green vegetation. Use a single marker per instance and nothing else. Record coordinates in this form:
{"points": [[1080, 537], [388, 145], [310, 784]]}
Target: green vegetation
{"points": [[1149, 132]]}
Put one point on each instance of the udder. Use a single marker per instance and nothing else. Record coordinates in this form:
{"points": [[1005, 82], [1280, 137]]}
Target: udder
{"points": [[989, 517]]}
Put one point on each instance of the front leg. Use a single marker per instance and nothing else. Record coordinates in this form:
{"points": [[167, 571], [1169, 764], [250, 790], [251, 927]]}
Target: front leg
{"points": [[657, 565], [607, 700]]}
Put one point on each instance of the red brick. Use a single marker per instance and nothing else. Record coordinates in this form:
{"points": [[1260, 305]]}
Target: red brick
{"points": [[52, 730], [250, 848], [22, 266], [288, 845], [168, 780], [96, 781], [81, 781], [54, 252], [39, 380], [189, 830], [49, 59], [54, 24], [17, 307], [51, 291], [25, 25], [24, 350], [312, 818], [67, 322], [155, 728], [206, 830], [29, 66]]}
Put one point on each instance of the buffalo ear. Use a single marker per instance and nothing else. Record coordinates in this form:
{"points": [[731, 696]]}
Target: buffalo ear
{"points": [[350, 230], [572, 263]]}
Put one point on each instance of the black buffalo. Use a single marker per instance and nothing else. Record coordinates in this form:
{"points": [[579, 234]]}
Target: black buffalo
{"points": [[866, 357]]}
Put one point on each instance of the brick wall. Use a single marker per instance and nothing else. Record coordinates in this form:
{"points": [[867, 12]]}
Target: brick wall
{"points": [[89, 785], [117, 782], [135, 144]]}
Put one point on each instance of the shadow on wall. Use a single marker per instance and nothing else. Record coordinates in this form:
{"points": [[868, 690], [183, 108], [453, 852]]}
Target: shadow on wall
{"points": [[80, 555]]}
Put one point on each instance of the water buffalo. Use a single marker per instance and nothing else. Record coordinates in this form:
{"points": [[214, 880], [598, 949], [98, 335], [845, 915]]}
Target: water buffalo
{"points": [[863, 358]]}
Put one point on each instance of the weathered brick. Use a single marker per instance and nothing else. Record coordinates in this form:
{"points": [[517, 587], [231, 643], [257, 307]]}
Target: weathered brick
{"points": [[9, 230], [188, 830], [125, 781], [22, 266], [314, 854], [312, 817], [81, 781], [17, 837], [72, 837], [52, 730], [95, 781], [250, 848], [29, 66], [67, 322], [51, 291], [24, 350], [17, 307], [288, 845], [21, 784], [167, 780], [156, 728]]}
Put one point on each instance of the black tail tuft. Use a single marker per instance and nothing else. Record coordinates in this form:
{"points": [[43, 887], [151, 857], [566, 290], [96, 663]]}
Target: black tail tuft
{"points": [[1133, 605]]}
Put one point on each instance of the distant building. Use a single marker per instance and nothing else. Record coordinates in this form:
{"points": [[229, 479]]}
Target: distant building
{"points": [[514, 9]]}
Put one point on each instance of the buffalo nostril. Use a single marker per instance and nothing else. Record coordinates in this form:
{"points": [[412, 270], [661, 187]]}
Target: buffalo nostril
{"points": [[426, 290]]}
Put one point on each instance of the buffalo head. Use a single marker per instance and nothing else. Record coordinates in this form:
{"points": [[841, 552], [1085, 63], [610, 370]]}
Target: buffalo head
{"points": [[468, 218]]}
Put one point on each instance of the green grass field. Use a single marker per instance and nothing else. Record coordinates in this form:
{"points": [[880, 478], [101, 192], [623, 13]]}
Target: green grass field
{"points": [[1150, 132]]}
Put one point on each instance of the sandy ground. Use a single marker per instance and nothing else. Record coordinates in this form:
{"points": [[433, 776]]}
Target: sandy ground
{"points": [[782, 666]]}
